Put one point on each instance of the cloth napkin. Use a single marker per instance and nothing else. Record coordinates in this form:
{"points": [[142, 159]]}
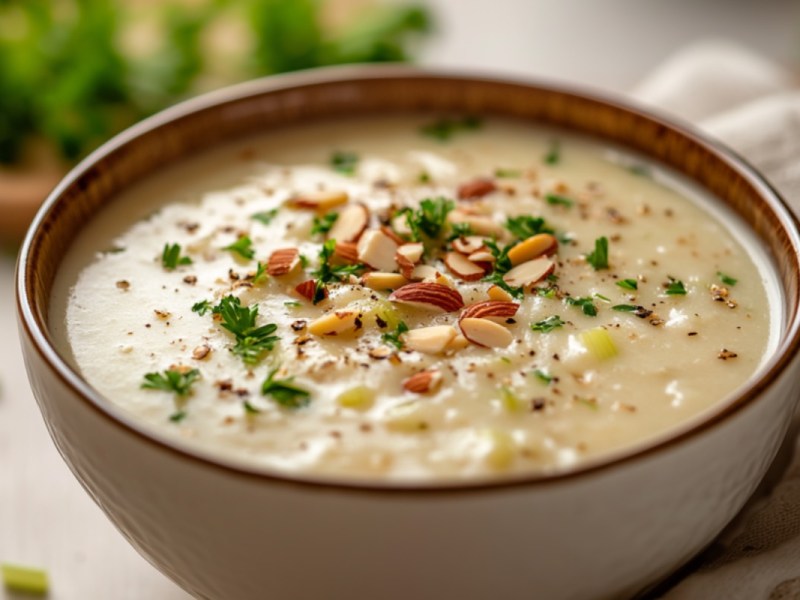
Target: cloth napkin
{"points": [[753, 106]]}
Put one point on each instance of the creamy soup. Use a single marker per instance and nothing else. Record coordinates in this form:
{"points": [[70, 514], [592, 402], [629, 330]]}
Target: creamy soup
{"points": [[415, 299]]}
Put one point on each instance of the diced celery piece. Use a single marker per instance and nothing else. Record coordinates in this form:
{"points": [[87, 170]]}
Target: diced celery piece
{"points": [[386, 311], [501, 450], [406, 418], [24, 579], [511, 401], [359, 397], [599, 343]]}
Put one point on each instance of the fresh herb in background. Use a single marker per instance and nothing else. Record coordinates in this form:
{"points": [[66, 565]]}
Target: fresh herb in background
{"points": [[266, 216], [344, 162], [553, 156], [429, 219], [171, 257], [507, 173], [177, 382], [202, 307], [284, 392], [543, 376], [394, 338], [599, 257], [502, 265], [628, 284], [526, 226], [459, 230], [67, 76], [674, 287], [322, 225], [547, 325], [726, 279], [445, 128], [243, 247], [586, 305], [559, 200]]}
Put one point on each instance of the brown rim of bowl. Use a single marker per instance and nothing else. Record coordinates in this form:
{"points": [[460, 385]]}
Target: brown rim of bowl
{"points": [[35, 327]]}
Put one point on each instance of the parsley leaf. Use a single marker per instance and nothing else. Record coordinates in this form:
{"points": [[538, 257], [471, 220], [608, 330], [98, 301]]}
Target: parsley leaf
{"points": [[585, 303], [251, 341], [344, 162], [177, 382], [547, 325], [323, 225], [171, 257], [243, 247], [260, 275], [599, 257], [284, 392], [459, 230], [393, 337], [502, 265], [326, 272], [526, 226], [639, 311], [553, 156], [559, 200], [430, 218], [628, 284], [726, 279], [543, 376], [178, 416], [266, 216], [674, 287], [445, 128], [202, 307]]}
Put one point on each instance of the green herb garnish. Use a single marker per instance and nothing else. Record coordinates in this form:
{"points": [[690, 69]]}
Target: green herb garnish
{"points": [[260, 274], [526, 226], [445, 128], [586, 305], [171, 257], [293, 304], [458, 230], [326, 272], [553, 156], [424, 177], [284, 392], [502, 265], [507, 173], [344, 162], [266, 216], [628, 284], [599, 257], [323, 225], [249, 408], [640, 170], [674, 287], [394, 338], [177, 382], [251, 341], [178, 416], [559, 200], [243, 247], [429, 219], [547, 325], [202, 307], [726, 279], [639, 311], [543, 376]]}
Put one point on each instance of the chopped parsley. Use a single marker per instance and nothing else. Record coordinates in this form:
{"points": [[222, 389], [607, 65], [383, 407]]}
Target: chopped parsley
{"points": [[266, 216], [547, 325], [502, 265], [202, 307], [171, 257], [177, 382], [525, 226], [458, 230], [674, 287], [543, 376], [326, 272], [424, 177], [251, 341], [559, 200], [445, 128], [726, 279], [284, 392], [322, 225], [628, 284], [178, 416], [599, 257], [260, 274], [507, 173], [243, 247], [320, 292], [585, 303], [639, 311], [394, 338], [344, 162], [249, 408], [429, 219], [553, 156], [293, 304]]}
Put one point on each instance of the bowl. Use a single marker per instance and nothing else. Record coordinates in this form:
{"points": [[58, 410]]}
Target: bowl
{"points": [[223, 530]]}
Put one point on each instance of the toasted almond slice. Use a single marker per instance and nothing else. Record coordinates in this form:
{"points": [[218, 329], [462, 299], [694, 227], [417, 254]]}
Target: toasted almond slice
{"points": [[378, 280], [320, 201], [477, 188], [388, 231], [462, 267], [490, 308], [308, 288], [377, 250], [335, 323], [468, 244], [407, 256], [429, 340], [282, 261], [482, 256], [428, 296], [350, 224], [541, 244], [381, 352], [346, 252], [400, 225], [529, 272], [484, 332], [424, 382], [497, 293], [424, 273], [459, 342], [480, 225]]}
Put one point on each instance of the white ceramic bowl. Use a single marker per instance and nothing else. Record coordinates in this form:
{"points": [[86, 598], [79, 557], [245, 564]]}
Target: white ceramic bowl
{"points": [[224, 531]]}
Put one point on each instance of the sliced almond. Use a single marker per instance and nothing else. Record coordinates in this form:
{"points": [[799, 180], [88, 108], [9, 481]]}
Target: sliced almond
{"points": [[429, 340], [377, 250], [351, 223], [400, 225], [336, 323], [468, 244], [480, 225], [477, 188], [320, 201], [490, 308], [379, 280], [542, 244], [424, 382], [484, 332], [529, 272], [407, 256], [459, 342], [482, 256], [308, 289], [425, 273], [346, 252], [283, 261], [497, 293], [388, 231], [429, 296], [462, 267]]}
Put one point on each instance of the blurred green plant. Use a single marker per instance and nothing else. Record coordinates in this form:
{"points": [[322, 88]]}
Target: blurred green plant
{"points": [[66, 76]]}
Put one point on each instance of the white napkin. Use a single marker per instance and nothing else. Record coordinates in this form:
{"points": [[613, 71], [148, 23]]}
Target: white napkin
{"points": [[753, 106]]}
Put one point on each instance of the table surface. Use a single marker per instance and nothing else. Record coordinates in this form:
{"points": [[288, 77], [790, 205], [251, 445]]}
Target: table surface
{"points": [[47, 520]]}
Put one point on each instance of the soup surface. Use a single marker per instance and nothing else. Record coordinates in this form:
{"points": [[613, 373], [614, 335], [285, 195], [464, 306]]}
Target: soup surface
{"points": [[414, 299]]}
